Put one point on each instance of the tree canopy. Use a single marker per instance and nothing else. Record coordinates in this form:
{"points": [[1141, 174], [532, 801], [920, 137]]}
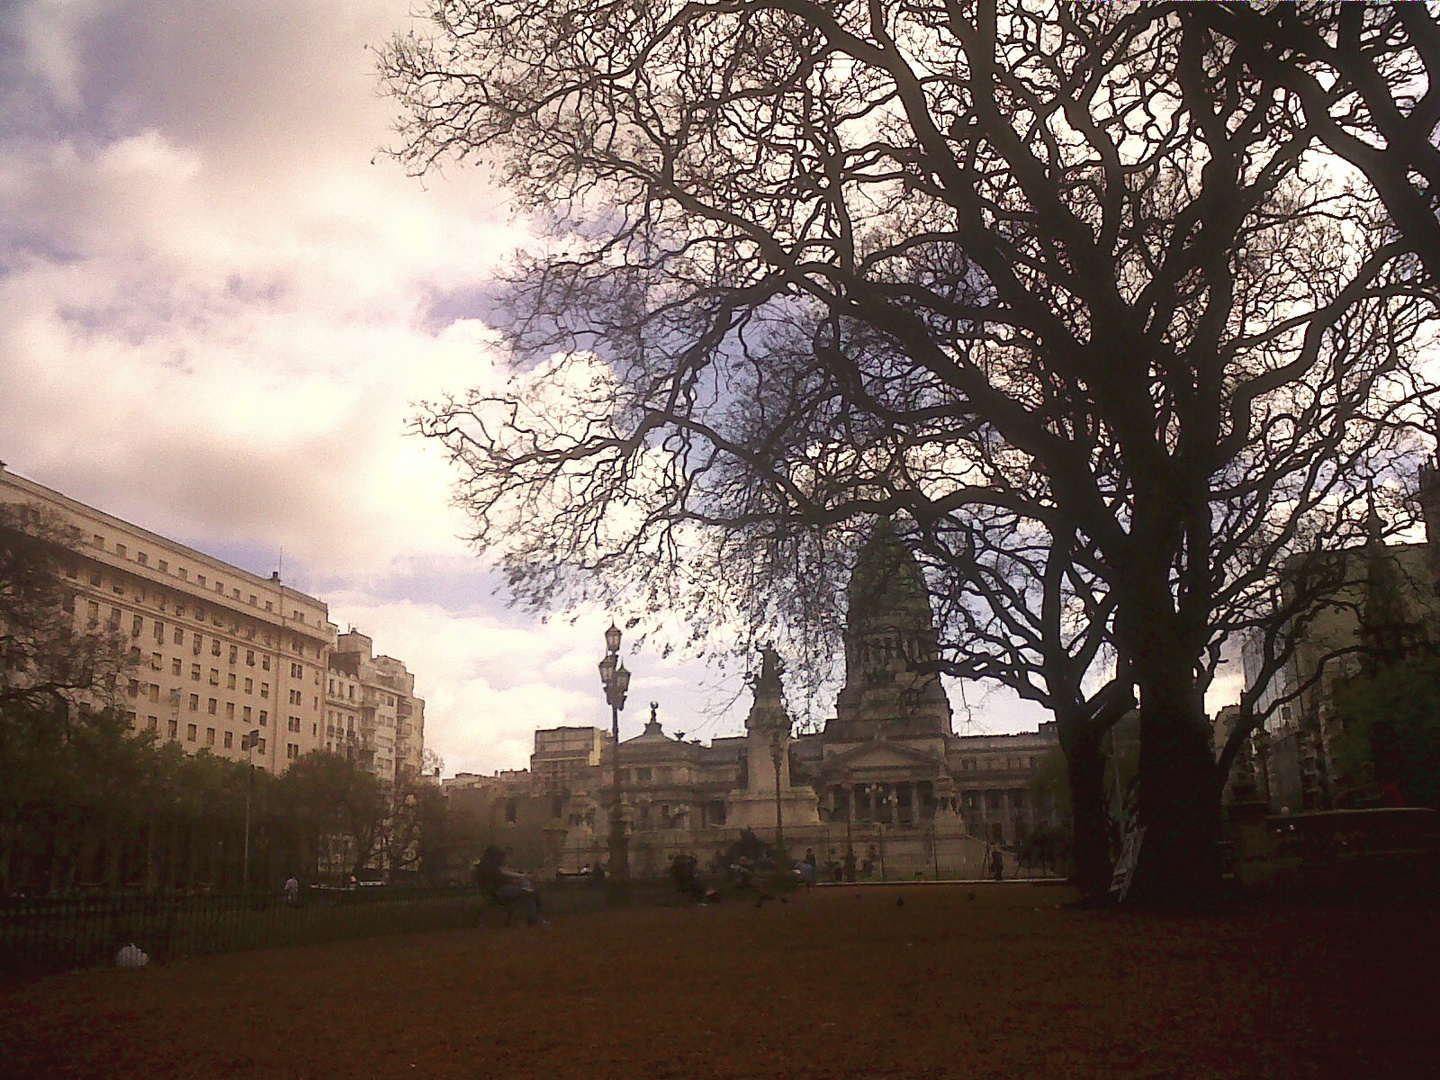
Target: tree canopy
{"points": [[1075, 293]]}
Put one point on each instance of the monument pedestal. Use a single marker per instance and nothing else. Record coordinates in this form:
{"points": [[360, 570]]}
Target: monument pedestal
{"points": [[756, 809]]}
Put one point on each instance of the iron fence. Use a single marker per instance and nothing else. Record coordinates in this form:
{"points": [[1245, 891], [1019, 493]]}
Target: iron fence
{"points": [[40, 934]]}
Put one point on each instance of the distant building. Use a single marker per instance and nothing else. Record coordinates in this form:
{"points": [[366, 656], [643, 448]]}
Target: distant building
{"points": [[1384, 611], [371, 709], [887, 779], [220, 651]]}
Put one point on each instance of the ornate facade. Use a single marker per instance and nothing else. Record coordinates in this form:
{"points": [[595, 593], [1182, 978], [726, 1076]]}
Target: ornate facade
{"points": [[886, 779]]}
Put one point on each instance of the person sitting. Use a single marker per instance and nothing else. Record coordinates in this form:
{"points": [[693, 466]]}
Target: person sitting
{"points": [[506, 887], [685, 873]]}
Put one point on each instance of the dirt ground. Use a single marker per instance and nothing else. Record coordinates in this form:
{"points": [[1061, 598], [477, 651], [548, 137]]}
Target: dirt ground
{"points": [[843, 982]]}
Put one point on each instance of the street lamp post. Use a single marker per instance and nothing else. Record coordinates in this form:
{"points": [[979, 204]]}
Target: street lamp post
{"points": [[616, 680], [247, 743]]}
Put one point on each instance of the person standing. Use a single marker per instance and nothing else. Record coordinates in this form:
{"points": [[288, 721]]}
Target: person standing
{"points": [[997, 864], [292, 890]]}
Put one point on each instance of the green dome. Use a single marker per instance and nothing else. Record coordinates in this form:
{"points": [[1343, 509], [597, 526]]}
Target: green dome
{"points": [[886, 580]]}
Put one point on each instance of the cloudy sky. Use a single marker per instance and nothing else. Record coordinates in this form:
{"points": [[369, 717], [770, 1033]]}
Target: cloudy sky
{"points": [[217, 306]]}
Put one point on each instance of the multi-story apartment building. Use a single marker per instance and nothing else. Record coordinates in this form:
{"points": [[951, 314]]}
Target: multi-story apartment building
{"points": [[564, 756], [220, 652], [372, 710]]}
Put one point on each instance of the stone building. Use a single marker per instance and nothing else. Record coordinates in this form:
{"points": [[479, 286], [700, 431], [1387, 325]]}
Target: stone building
{"points": [[372, 710], [1384, 610], [220, 652], [886, 778]]}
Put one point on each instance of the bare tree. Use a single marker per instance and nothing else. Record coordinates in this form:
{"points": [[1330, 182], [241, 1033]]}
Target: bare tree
{"points": [[48, 669], [1045, 281], [1365, 78]]}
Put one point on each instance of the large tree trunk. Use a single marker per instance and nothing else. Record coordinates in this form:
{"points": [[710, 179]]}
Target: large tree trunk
{"points": [[1179, 807], [1085, 766]]}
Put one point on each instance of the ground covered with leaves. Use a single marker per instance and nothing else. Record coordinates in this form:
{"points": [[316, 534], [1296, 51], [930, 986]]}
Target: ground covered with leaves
{"points": [[956, 981]]}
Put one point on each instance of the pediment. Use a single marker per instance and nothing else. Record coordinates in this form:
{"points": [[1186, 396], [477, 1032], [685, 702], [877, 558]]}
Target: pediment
{"points": [[881, 756]]}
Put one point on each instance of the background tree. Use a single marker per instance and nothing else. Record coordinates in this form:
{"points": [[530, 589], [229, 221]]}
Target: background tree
{"points": [[47, 669], [1392, 731], [1047, 282], [325, 795]]}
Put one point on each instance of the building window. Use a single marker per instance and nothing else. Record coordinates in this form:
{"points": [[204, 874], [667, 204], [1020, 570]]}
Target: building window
{"points": [[234, 653], [175, 667], [264, 718], [179, 638], [190, 732], [297, 671], [164, 567], [230, 681], [184, 574], [265, 662], [294, 723], [120, 550], [194, 702], [229, 710], [172, 728], [292, 751], [194, 672], [229, 736], [152, 723], [264, 689], [260, 743], [142, 558], [209, 736], [250, 657], [200, 579], [245, 714], [214, 677], [249, 686], [252, 599], [212, 706], [99, 541]]}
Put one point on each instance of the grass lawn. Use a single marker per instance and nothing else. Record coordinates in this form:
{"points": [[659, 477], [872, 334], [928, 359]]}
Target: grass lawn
{"points": [[842, 982]]}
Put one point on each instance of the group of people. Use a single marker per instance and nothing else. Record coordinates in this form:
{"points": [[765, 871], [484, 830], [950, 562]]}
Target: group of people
{"points": [[518, 890]]}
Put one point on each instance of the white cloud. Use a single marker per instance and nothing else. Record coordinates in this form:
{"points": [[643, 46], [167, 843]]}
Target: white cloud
{"points": [[217, 307]]}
